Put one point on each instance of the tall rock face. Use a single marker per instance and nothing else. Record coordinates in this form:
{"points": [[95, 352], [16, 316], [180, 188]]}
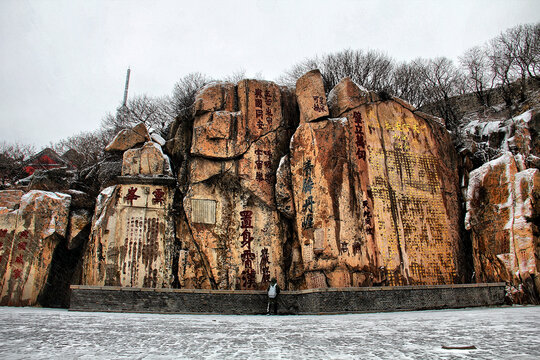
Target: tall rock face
{"points": [[503, 207], [376, 194], [29, 237], [132, 238], [233, 235], [501, 157], [132, 242]]}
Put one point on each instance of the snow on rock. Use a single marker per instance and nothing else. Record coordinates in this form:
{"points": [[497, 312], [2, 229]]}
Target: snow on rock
{"points": [[128, 138], [518, 135], [148, 161], [29, 237], [502, 203], [157, 139]]}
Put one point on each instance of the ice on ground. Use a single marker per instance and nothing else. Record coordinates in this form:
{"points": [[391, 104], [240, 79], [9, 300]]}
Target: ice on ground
{"points": [[497, 333]]}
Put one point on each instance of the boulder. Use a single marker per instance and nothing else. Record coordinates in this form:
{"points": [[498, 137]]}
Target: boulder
{"points": [[502, 205], [10, 199], [158, 139], [232, 170], [214, 97], [240, 239], [376, 196], [311, 97], [31, 235], [52, 180], [489, 138], [345, 96], [128, 138], [146, 161], [213, 135]]}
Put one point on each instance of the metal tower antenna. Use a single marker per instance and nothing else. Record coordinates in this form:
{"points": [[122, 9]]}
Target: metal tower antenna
{"points": [[126, 89]]}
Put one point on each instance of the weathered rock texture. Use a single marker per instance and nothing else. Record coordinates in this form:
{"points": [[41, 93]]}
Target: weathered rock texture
{"points": [[376, 195], [265, 181], [28, 239], [148, 160], [503, 208], [311, 97], [367, 197], [233, 235], [132, 238], [132, 242], [519, 135], [128, 138]]}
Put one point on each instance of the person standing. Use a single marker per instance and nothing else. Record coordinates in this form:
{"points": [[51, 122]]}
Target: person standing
{"points": [[273, 292]]}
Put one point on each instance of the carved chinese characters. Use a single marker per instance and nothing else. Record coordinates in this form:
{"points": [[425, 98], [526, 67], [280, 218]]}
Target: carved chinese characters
{"points": [[28, 238], [311, 97], [248, 273], [375, 191], [307, 185], [131, 236], [411, 220], [243, 249]]}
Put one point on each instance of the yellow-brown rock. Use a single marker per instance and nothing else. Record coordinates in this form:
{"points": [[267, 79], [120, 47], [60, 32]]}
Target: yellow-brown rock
{"points": [[239, 237], [79, 221], [345, 96], [215, 135], [201, 169], [29, 237], [502, 203], [132, 240], [311, 97], [232, 171], [128, 138], [10, 198], [284, 194], [214, 97], [376, 195], [146, 161]]}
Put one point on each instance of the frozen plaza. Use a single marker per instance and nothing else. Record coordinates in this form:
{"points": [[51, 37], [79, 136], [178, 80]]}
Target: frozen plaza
{"points": [[497, 333]]}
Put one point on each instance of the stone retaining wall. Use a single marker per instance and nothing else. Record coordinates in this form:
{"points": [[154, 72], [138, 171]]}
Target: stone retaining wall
{"points": [[314, 301]]}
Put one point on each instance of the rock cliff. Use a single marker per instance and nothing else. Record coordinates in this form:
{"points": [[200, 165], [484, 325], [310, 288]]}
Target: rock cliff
{"points": [[349, 189]]}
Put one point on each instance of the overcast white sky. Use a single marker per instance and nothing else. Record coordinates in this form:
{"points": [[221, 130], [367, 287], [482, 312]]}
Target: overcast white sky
{"points": [[63, 63]]}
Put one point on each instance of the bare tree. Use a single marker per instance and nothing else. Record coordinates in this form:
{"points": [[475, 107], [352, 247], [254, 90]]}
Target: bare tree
{"points": [[89, 145], [441, 80], [154, 112], [183, 97], [371, 69], [502, 64], [479, 79], [407, 83], [12, 158], [290, 76]]}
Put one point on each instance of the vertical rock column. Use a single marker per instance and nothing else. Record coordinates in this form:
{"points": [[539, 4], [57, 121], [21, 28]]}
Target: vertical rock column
{"points": [[132, 243], [233, 229], [502, 206], [375, 190]]}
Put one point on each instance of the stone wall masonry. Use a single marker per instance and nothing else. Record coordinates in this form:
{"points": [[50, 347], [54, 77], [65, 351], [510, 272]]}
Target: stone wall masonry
{"points": [[312, 301]]}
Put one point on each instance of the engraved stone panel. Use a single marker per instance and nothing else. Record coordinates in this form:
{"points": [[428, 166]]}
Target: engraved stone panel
{"points": [[318, 243], [203, 211]]}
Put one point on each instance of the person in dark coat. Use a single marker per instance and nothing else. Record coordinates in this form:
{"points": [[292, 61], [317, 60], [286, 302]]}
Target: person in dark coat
{"points": [[273, 292]]}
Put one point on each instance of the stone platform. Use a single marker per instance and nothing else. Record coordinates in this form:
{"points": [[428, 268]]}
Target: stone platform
{"points": [[313, 301]]}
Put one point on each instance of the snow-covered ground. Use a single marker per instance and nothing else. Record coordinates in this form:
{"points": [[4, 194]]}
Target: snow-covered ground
{"points": [[498, 333]]}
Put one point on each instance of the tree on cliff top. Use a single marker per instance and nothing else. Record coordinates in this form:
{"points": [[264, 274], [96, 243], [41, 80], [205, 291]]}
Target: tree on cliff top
{"points": [[369, 69], [154, 112], [12, 157]]}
